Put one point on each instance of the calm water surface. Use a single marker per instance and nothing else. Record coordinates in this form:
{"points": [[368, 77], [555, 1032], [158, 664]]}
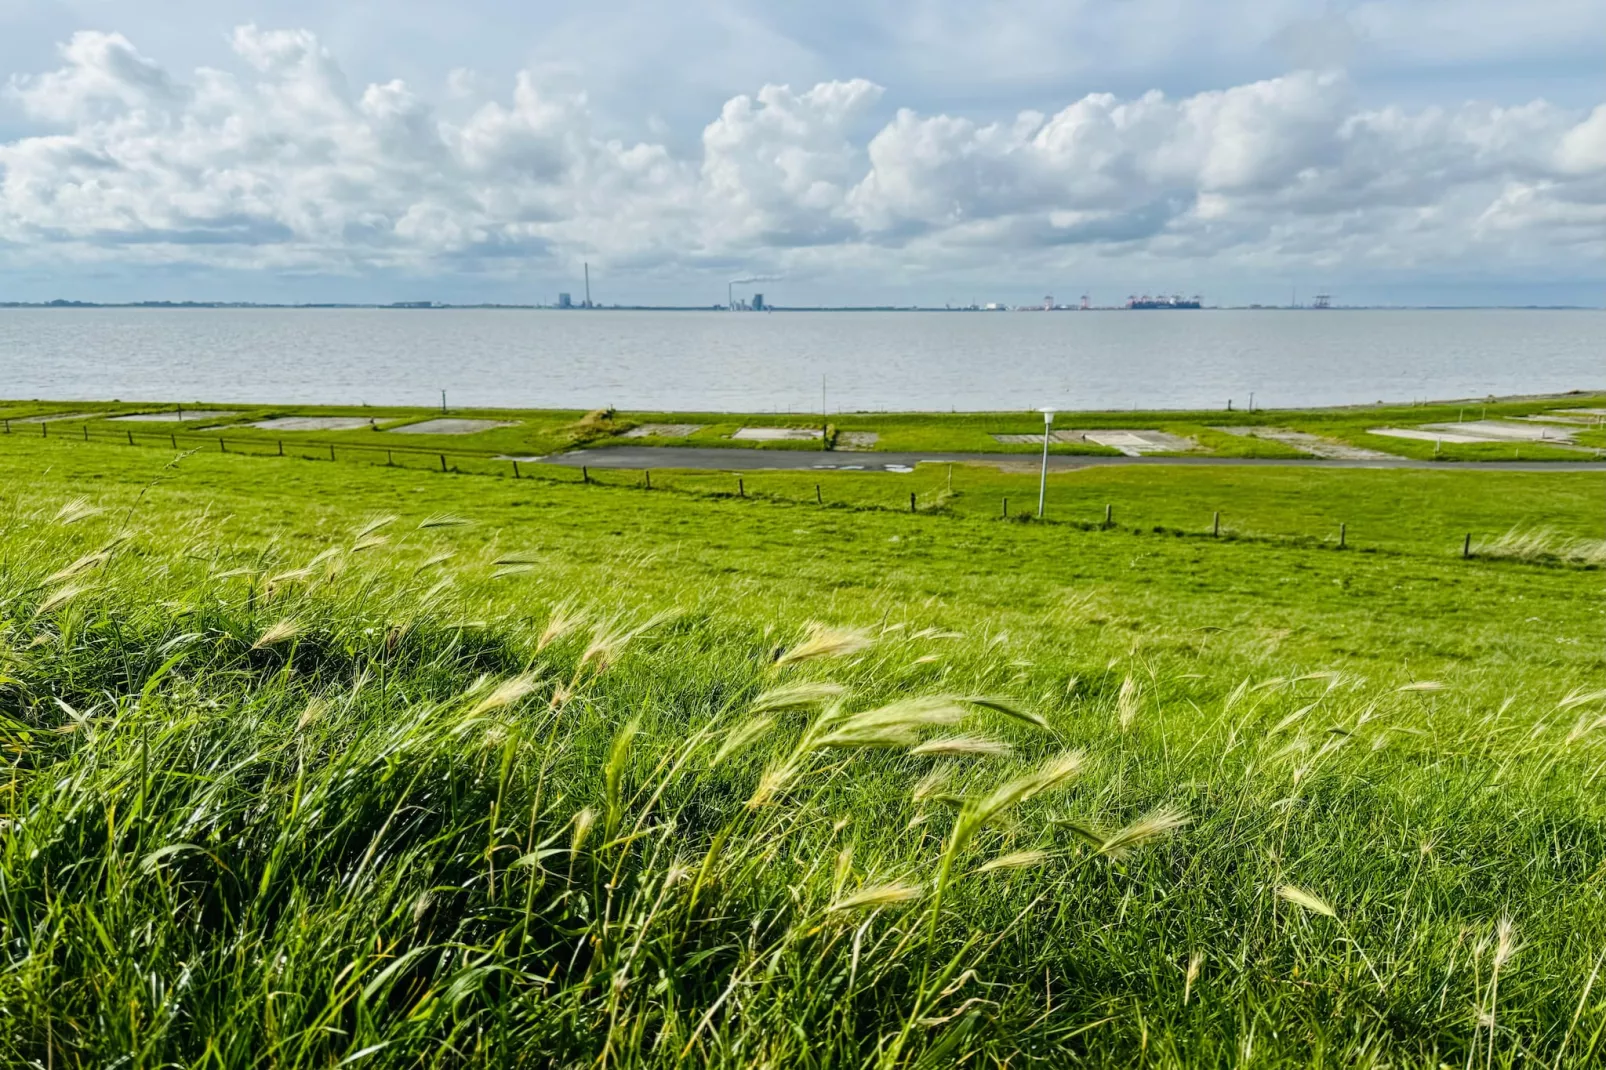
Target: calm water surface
{"points": [[776, 361]]}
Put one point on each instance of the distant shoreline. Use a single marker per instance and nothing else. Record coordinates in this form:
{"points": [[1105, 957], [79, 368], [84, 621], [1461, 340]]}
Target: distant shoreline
{"points": [[429, 306]]}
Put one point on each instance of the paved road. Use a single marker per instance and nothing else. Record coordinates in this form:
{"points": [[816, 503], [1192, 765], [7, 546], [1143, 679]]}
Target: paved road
{"points": [[744, 460]]}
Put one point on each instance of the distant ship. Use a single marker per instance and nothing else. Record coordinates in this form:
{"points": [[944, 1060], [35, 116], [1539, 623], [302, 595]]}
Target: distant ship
{"points": [[1174, 301]]}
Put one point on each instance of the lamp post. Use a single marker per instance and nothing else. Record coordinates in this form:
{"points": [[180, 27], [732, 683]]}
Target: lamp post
{"points": [[1042, 484]]}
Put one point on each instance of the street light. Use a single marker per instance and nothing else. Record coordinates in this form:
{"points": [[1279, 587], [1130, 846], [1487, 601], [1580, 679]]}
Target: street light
{"points": [[1042, 484]]}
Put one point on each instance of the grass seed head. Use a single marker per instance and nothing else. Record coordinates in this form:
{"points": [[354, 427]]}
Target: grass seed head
{"points": [[739, 737], [964, 746], [60, 597], [1580, 697], [564, 619], [1014, 860], [506, 693], [1153, 826], [1127, 704], [1505, 941], [877, 896], [1054, 773], [1307, 900], [76, 510], [822, 641], [797, 696], [83, 564], [277, 633], [372, 526], [580, 828]]}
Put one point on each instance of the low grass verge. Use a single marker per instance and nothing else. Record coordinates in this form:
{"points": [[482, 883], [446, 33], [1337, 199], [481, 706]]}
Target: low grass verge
{"points": [[313, 763]]}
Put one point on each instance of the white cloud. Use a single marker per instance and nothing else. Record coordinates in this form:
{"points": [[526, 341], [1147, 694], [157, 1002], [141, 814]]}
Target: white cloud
{"points": [[280, 163]]}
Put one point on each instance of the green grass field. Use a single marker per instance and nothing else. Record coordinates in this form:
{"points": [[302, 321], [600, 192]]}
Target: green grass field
{"points": [[319, 764], [540, 432]]}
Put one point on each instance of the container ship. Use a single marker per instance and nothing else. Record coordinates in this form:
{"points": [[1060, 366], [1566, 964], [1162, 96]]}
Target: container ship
{"points": [[1175, 301]]}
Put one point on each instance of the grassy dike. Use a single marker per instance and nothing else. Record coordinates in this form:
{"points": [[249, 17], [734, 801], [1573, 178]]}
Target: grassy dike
{"points": [[318, 763]]}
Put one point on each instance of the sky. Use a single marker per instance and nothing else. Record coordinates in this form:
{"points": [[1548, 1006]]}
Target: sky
{"points": [[839, 152]]}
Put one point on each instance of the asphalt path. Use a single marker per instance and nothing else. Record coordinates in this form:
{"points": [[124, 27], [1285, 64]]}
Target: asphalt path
{"points": [[748, 460]]}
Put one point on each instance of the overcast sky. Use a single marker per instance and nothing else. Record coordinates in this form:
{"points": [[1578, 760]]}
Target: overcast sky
{"points": [[1393, 151]]}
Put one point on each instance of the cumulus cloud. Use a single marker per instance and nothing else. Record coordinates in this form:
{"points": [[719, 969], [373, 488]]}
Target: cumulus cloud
{"points": [[279, 162]]}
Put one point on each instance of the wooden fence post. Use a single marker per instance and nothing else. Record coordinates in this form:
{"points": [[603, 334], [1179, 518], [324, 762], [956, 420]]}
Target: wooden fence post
{"points": [[443, 462], [1006, 508], [817, 499], [1466, 545], [1341, 533], [911, 501], [1109, 512], [741, 488], [1215, 525], [515, 469]]}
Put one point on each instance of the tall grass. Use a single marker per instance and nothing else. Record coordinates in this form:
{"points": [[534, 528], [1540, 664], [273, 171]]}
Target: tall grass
{"points": [[309, 807], [1543, 546]]}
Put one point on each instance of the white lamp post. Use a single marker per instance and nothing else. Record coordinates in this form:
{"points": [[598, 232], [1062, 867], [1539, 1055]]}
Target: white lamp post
{"points": [[1042, 484]]}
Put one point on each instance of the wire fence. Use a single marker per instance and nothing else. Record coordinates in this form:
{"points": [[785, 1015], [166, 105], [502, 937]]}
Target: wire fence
{"points": [[704, 485]]}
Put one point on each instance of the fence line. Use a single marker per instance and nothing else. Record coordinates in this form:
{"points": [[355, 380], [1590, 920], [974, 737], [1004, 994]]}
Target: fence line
{"points": [[585, 478]]}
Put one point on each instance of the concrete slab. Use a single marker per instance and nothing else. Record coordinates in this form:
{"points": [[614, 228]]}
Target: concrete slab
{"points": [[856, 440], [315, 423], [186, 416], [1316, 445], [52, 417], [1129, 442], [1504, 431], [1061, 437], [450, 425], [1423, 435], [777, 434], [663, 431], [1139, 443]]}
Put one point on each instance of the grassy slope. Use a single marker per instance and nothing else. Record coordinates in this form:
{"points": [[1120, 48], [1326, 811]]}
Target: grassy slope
{"points": [[546, 431], [342, 885]]}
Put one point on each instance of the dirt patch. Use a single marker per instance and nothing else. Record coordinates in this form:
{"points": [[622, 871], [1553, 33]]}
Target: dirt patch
{"points": [[186, 416], [314, 423], [777, 434], [856, 440], [51, 417], [451, 425], [663, 431], [1328, 449]]}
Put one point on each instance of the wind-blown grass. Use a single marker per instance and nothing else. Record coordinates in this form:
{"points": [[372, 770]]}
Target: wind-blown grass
{"points": [[429, 824], [1543, 546]]}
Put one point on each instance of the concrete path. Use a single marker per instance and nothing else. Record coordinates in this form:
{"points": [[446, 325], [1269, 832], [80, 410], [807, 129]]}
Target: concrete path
{"points": [[743, 460]]}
